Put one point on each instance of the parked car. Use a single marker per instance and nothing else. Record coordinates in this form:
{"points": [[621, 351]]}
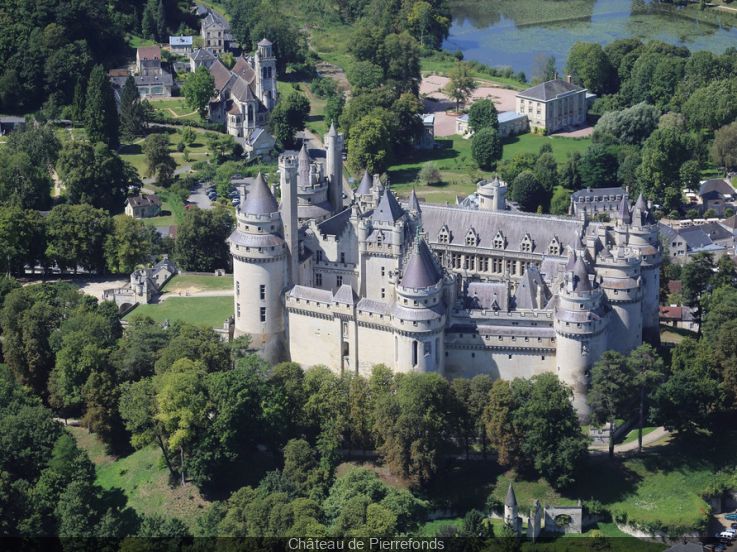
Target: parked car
{"points": [[234, 194], [236, 202], [731, 517], [729, 535]]}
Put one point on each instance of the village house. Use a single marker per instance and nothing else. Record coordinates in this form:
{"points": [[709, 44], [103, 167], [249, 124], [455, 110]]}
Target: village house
{"points": [[553, 105], [685, 241], [152, 80], [143, 206], [9, 123], [180, 44], [590, 202], [715, 195], [215, 31]]}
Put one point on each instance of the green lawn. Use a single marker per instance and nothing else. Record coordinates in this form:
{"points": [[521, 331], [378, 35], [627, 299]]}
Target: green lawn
{"points": [[144, 480], [176, 108], [202, 311], [632, 435], [530, 143], [193, 283], [138, 41]]}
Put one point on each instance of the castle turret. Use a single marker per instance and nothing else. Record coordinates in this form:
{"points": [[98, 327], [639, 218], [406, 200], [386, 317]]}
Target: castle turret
{"points": [[289, 166], [492, 195], [579, 321], [413, 204], [334, 161], [265, 69], [419, 313], [260, 259], [511, 514]]}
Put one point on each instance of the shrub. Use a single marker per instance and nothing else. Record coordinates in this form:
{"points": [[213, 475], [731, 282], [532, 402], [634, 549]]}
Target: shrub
{"points": [[486, 148]]}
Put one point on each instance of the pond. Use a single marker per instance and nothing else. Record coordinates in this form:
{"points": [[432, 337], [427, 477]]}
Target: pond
{"points": [[522, 33]]}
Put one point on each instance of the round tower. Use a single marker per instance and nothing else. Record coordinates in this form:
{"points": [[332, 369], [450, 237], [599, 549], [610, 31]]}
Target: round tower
{"points": [[260, 259], [419, 314], [511, 513], [580, 319], [492, 195], [619, 274]]}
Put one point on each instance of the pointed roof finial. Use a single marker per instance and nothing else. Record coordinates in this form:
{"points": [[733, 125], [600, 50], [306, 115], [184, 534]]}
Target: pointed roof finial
{"points": [[364, 188], [413, 203]]}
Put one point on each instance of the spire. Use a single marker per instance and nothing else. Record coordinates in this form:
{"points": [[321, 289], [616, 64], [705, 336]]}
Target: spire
{"points": [[641, 205], [364, 188], [332, 131], [511, 499], [624, 211], [377, 183], [571, 259], [581, 280], [420, 271], [388, 209], [260, 200], [414, 203]]}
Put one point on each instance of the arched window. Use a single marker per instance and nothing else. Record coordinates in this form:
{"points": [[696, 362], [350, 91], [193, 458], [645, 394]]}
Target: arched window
{"points": [[471, 238], [499, 241]]}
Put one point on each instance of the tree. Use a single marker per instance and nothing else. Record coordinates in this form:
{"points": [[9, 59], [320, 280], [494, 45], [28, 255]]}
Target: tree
{"points": [[528, 192], [288, 117], [38, 142], [135, 354], [610, 393], [498, 421], [588, 62], [76, 237], [724, 149], [709, 108], [22, 240], [221, 146], [198, 89], [200, 243], [130, 243], [23, 181], [407, 121], [690, 175], [334, 107], [546, 171], [369, 145], [696, 277], [290, 42], [570, 174], [647, 371], [413, 426], [598, 167], [159, 162], [560, 202], [131, 111], [400, 58], [461, 84], [101, 111], [482, 114], [95, 175], [509, 169], [631, 125], [653, 78], [486, 148], [365, 75], [194, 343]]}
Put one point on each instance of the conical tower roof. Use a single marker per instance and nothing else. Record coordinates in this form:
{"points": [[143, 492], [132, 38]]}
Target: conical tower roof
{"points": [[420, 271], [641, 205], [388, 209], [260, 200], [581, 280], [303, 167], [625, 215], [571, 262], [413, 202], [511, 499], [332, 131], [364, 188]]}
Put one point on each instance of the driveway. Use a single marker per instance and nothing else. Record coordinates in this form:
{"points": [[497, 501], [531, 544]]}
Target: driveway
{"points": [[199, 197]]}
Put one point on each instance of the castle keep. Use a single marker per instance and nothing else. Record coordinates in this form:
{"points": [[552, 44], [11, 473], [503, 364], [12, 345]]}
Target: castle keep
{"points": [[464, 290]]}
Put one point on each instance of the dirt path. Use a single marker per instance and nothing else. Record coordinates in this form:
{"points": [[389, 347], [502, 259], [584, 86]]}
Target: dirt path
{"points": [[647, 440]]}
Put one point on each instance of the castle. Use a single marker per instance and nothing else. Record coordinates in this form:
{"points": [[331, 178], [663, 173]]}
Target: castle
{"points": [[464, 290]]}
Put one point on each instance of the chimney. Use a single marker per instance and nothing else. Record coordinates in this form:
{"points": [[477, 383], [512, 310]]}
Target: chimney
{"points": [[569, 79]]}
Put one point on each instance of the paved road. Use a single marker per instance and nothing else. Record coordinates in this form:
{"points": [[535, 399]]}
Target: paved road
{"points": [[647, 440], [199, 197]]}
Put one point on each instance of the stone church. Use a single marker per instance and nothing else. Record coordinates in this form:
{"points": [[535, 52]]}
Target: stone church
{"points": [[465, 290]]}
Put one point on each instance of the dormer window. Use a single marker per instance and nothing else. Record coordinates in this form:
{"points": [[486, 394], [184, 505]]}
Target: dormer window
{"points": [[554, 247], [471, 238], [499, 241], [380, 238], [444, 235], [526, 246]]}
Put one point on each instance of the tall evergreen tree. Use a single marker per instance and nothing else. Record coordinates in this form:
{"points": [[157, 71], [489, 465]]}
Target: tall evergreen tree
{"points": [[131, 112], [78, 103], [101, 113], [161, 21], [148, 21]]}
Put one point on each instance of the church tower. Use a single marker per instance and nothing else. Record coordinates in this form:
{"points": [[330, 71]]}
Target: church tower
{"points": [[579, 319], [260, 259], [265, 68]]}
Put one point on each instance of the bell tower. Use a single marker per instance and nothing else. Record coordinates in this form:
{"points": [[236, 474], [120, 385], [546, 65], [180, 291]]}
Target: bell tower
{"points": [[265, 62]]}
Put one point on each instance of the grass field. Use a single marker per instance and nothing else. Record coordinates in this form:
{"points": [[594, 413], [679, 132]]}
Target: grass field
{"points": [[194, 283], [144, 479], [632, 435], [202, 311], [176, 108], [316, 121], [458, 169]]}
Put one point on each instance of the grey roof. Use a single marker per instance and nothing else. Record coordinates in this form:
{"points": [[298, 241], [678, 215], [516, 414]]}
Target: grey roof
{"points": [[332, 131], [334, 225], [221, 75], [716, 231], [244, 70], [511, 499], [165, 79], [303, 167], [213, 19], [143, 199], [513, 225], [581, 280], [388, 209], [623, 211], [424, 313], [315, 210], [264, 42], [364, 188], [509, 116], [202, 54], [550, 90], [602, 194], [667, 232], [730, 222], [255, 240], [487, 296], [260, 200], [241, 90], [311, 294], [345, 295], [420, 271], [180, 41], [697, 238], [718, 185], [413, 203], [532, 293]]}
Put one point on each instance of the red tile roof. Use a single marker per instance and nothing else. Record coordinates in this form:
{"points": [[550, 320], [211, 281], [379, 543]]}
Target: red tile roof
{"points": [[149, 52]]}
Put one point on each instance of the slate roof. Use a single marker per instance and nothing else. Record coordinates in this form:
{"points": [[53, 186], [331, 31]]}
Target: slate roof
{"points": [[364, 188], [241, 90], [264, 42], [143, 200], [413, 203], [213, 19], [244, 70], [509, 116], [164, 79], [345, 295], [487, 296], [513, 225], [511, 499], [549, 90], [716, 231], [530, 287], [180, 41], [220, 74], [203, 55], [260, 200], [334, 225], [581, 280], [388, 209], [718, 185], [420, 271], [730, 222]]}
